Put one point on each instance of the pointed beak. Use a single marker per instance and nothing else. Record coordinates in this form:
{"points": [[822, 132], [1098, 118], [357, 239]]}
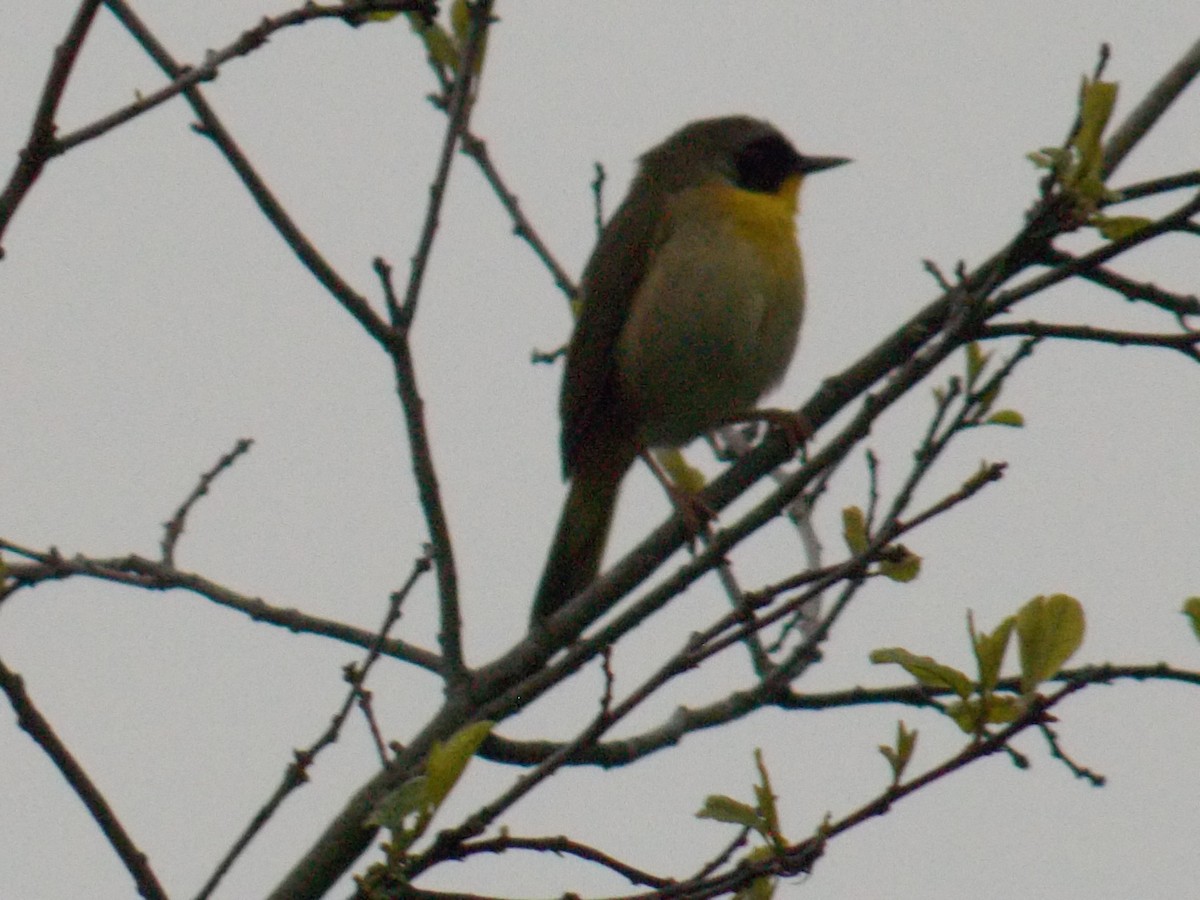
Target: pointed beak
{"points": [[808, 164]]}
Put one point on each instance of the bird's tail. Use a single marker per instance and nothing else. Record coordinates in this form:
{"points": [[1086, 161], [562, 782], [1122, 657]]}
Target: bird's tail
{"points": [[579, 541]]}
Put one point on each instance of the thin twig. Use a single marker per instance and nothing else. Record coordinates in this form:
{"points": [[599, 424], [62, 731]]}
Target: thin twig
{"points": [[296, 772], [363, 699], [173, 529], [561, 846], [1179, 305], [211, 127], [1082, 772], [428, 489], [148, 574], [1186, 342], [476, 149], [598, 181], [37, 727], [1155, 186], [41, 146], [246, 43], [458, 112]]}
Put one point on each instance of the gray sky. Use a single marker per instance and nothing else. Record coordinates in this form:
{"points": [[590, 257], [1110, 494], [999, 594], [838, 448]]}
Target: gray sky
{"points": [[151, 318]]}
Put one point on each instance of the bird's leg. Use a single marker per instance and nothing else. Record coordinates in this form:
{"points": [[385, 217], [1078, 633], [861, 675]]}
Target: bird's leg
{"points": [[693, 511]]}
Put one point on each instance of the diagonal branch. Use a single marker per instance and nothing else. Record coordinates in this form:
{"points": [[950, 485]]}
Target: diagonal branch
{"points": [[458, 112], [38, 728], [475, 148], [1179, 305], [1186, 342], [173, 529], [1139, 122], [136, 571], [296, 773], [245, 44], [402, 314], [41, 146], [211, 127]]}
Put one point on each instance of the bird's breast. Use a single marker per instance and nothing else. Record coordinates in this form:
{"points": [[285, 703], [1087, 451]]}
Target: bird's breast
{"points": [[715, 321]]}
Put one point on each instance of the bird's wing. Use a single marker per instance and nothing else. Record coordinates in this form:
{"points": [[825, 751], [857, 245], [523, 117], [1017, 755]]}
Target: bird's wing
{"points": [[592, 410]]}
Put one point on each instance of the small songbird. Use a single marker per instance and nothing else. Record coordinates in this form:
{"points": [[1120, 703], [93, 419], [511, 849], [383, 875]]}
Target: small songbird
{"points": [[690, 311]]}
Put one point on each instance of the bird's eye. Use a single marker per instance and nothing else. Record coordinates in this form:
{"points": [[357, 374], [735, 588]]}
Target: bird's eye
{"points": [[763, 164]]}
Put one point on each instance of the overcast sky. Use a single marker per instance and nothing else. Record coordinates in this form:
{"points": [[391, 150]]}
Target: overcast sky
{"points": [[151, 318]]}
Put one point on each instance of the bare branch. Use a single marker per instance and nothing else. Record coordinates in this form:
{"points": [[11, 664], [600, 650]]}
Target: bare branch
{"points": [[560, 846], [173, 529], [37, 727], [136, 571], [246, 43], [211, 127], [1179, 305], [296, 772], [1139, 122], [428, 489], [402, 314], [1156, 186], [476, 149], [1089, 262], [458, 111], [41, 146], [1186, 342]]}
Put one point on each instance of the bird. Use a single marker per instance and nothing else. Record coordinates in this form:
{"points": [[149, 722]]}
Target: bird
{"points": [[689, 312]]}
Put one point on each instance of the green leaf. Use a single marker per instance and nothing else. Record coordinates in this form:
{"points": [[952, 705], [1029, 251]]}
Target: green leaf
{"points": [[901, 565], [1005, 708], [411, 798], [854, 529], [973, 715], [990, 650], [374, 17], [1191, 609], [446, 761], [1116, 228], [976, 360], [1049, 631], [1054, 158], [760, 888], [460, 22], [765, 797], [925, 669], [721, 808], [439, 46], [967, 715], [1009, 417], [1096, 102], [898, 757]]}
